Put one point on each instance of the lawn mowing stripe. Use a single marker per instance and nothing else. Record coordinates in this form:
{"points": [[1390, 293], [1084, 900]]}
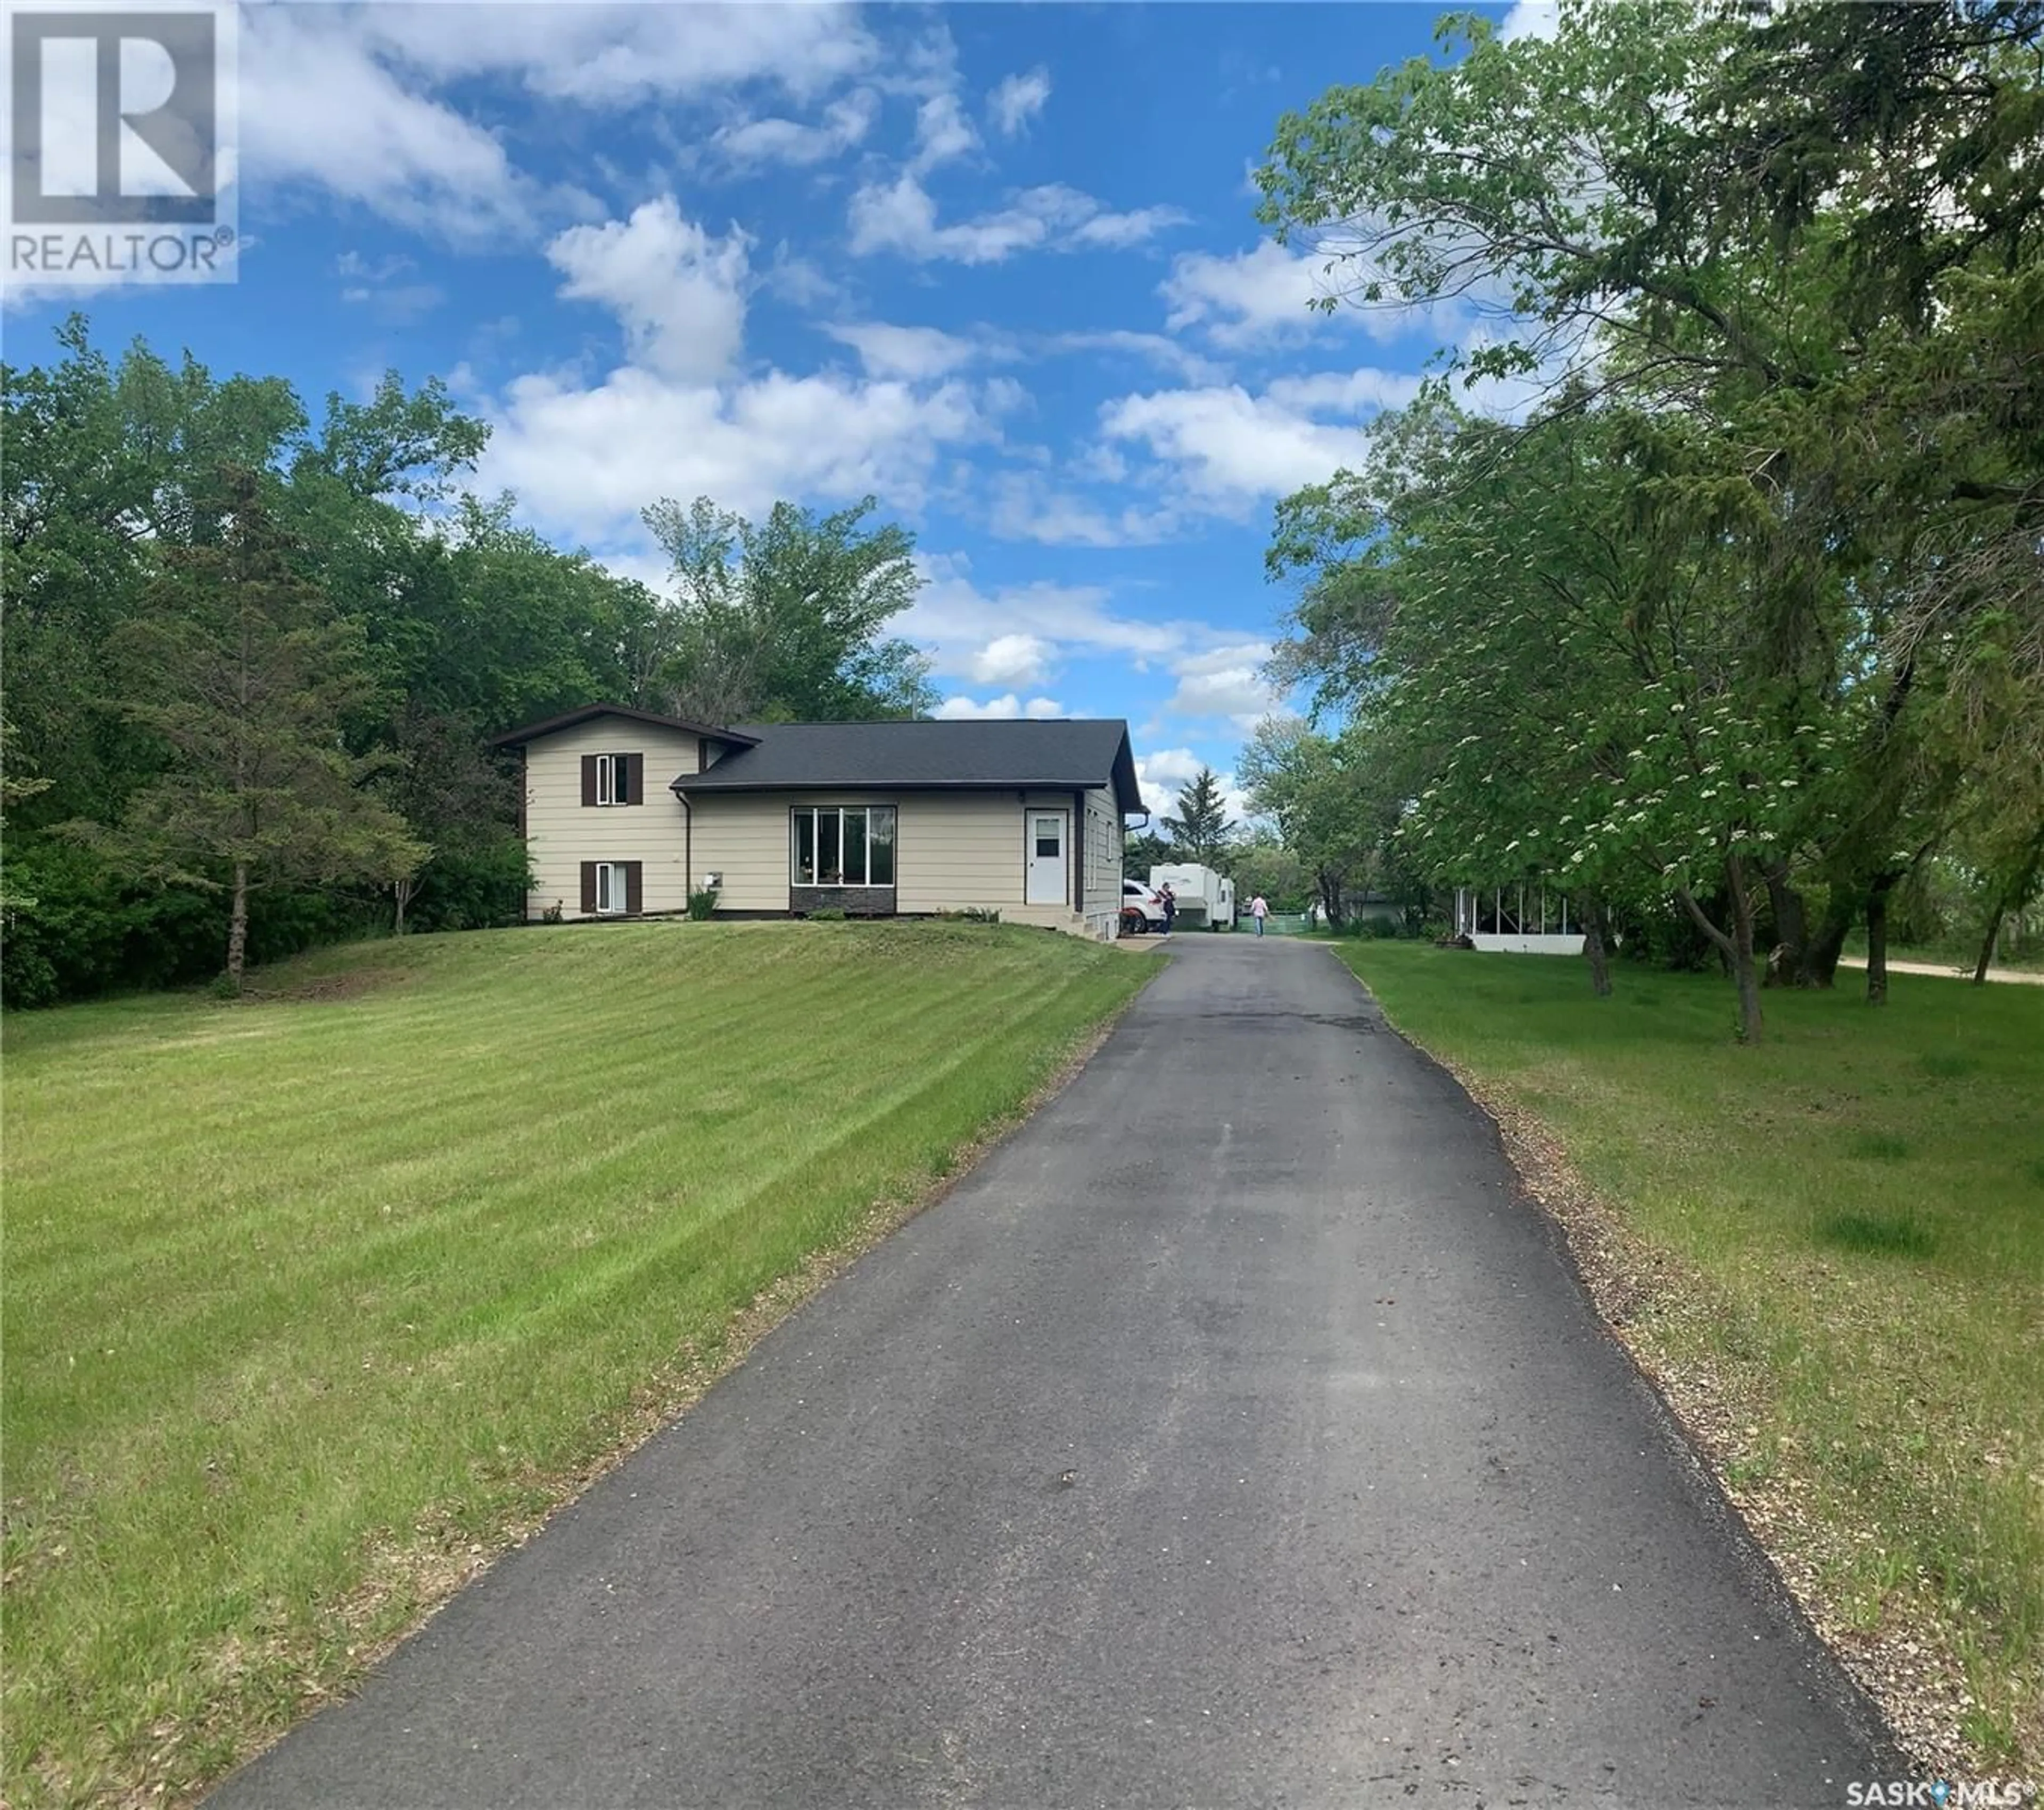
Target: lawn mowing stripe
{"points": [[544, 1155]]}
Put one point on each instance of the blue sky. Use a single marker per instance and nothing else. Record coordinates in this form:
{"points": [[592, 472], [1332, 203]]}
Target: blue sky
{"points": [[997, 264]]}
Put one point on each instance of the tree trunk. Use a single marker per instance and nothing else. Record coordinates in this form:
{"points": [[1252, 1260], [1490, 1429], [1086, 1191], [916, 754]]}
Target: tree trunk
{"points": [[401, 890], [1593, 947], [2011, 898], [1819, 966], [1331, 896], [237, 925], [1744, 970], [1987, 947], [1792, 929], [1736, 948], [1876, 939]]}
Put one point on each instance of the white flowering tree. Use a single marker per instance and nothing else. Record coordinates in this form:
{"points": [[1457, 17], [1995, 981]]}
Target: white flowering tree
{"points": [[1567, 665]]}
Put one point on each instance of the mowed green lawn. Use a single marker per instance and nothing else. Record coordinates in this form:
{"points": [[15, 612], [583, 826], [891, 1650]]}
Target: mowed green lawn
{"points": [[1857, 1206], [310, 1300]]}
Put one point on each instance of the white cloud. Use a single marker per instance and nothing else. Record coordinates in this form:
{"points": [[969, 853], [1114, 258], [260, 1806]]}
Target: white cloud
{"points": [[912, 352], [679, 293], [1531, 19], [900, 216], [942, 132], [1360, 393], [397, 304], [353, 265], [1011, 660], [1026, 506], [651, 570], [845, 124], [585, 459], [372, 284], [344, 98], [316, 106], [797, 280], [1001, 709], [1163, 772], [1170, 768], [1264, 298], [1233, 449], [1017, 99], [1229, 448], [1225, 682], [618, 55], [1117, 231], [956, 621], [1260, 297], [1155, 348]]}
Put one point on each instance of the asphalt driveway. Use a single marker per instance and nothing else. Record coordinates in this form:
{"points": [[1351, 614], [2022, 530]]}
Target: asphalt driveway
{"points": [[1233, 1435]]}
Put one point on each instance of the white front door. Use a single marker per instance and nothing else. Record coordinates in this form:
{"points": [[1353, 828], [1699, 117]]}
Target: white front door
{"points": [[1045, 833]]}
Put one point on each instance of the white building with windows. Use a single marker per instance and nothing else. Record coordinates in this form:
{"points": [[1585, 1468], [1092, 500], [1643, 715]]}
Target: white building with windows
{"points": [[1523, 918]]}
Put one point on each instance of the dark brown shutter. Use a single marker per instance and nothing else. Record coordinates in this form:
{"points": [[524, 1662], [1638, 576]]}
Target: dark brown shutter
{"points": [[1079, 851], [635, 779], [588, 780], [633, 898], [589, 886]]}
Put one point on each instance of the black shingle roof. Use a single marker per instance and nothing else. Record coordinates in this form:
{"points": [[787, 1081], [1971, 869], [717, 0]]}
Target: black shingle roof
{"points": [[927, 756]]}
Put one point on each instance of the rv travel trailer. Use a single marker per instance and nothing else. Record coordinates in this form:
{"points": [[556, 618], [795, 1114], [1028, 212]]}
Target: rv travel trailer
{"points": [[1205, 898]]}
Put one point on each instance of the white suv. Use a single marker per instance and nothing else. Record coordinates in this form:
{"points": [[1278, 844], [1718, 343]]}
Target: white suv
{"points": [[1137, 897]]}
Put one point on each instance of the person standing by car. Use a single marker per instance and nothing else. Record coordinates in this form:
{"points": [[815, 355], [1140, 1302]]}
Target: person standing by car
{"points": [[1259, 910], [1170, 899]]}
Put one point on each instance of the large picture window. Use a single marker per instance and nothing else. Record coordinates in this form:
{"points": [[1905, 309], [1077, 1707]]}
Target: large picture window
{"points": [[847, 845]]}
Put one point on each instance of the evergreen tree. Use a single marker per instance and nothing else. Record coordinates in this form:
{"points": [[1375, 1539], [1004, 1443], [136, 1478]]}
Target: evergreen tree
{"points": [[1200, 832], [241, 670], [1141, 851]]}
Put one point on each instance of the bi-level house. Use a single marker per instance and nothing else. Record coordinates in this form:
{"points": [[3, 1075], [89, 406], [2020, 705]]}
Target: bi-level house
{"points": [[626, 813]]}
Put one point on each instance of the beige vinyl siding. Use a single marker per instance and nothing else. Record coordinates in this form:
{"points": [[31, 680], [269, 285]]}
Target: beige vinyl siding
{"points": [[951, 850], [964, 849], [1103, 854], [744, 836], [561, 832]]}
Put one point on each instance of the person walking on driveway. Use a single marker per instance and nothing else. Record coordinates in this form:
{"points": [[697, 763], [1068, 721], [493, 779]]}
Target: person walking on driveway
{"points": [[1170, 899], [1259, 910]]}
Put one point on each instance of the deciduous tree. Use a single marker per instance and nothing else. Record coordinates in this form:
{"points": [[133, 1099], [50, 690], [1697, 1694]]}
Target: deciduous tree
{"points": [[784, 620]]}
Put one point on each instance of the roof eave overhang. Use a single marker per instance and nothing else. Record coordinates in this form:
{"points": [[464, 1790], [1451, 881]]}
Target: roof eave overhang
{"points": [[589, 713], [703, 783]]}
